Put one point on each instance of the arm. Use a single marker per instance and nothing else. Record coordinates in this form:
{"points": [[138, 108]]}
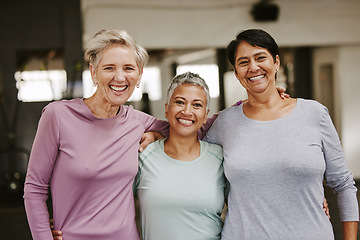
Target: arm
{"points": [[338, 176], [154, 129], [350, 230], [148, 138], [43, 155]]}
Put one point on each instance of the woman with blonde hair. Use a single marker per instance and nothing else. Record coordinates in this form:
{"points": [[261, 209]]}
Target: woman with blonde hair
{"points": [[86, 150]]}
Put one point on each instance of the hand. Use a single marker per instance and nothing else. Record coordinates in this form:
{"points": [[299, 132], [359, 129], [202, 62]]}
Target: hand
{"points": [[282, 93], [326, 208], [57, 234], [148, 138]]}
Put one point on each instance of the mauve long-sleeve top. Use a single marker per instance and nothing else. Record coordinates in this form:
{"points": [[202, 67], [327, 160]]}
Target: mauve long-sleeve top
{"points": [[89, 164]]}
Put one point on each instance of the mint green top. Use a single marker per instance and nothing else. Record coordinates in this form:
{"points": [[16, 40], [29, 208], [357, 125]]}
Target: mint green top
{"points": [[181, 200]]}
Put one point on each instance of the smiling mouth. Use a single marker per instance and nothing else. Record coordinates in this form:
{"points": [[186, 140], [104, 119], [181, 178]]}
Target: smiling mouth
{"points": [[186, 122], [256, 77], [115, 88]]}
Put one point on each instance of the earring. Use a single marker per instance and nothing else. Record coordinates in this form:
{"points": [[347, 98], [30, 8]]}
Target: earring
{"points": [[137, 85], [95, 84]]}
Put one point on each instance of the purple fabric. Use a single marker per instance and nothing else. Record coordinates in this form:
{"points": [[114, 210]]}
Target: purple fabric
{"points": [[89, 165]]}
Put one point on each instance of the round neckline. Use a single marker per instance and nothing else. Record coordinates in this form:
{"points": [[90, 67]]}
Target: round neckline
{"points": [[119, 113], [292, 112], [180, 162]]}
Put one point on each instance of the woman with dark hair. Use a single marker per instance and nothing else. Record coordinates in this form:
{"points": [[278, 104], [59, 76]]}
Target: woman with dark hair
{"points": [[277, 153]]}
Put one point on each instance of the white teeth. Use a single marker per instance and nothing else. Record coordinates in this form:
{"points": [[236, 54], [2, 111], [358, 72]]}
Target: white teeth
{"points": [[256, 78], [117, 88], [185, 121]]}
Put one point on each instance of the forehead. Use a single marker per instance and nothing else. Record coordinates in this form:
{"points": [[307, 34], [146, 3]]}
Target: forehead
{"points": [[189, 91], [117, 52], [245, 49]]}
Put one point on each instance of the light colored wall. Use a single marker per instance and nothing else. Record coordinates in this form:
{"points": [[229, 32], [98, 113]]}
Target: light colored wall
{"points": [[349, 86], [213, 23], [346, 96]]}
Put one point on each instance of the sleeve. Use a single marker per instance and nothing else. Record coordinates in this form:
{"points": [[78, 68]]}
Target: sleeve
{"points": [[338, 176], [138, 175], [214, 134], [209, 122], [42, 159], [151, 123], [205, 127]]}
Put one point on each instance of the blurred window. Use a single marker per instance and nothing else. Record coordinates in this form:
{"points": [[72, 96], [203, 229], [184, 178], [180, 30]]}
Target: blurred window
{"points": [[209, 72], [36, 86]]}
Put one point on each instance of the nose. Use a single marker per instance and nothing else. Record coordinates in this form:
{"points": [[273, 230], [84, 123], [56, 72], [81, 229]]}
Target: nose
{"points": [[187, 109], [119, 75], [253, 67]]}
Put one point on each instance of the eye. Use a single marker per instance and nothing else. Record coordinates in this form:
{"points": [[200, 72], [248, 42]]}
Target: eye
{"points": [[243, 63], [130, 68], [179, 102], [198, 105], [261, 58], [108, 68]]}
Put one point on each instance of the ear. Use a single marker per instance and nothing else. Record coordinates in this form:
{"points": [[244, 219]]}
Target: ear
{"points": [[166, 111], [140, 75], [277, 62], [235, 72], [206, 115], [93, 73]]}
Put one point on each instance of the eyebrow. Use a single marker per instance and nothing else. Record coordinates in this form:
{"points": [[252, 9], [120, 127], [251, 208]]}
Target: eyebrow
{"points": [[256, 54], [195, 100]]}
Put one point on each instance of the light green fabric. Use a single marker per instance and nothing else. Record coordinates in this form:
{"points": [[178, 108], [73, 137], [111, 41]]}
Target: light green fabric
{"points": [[181, 200]]}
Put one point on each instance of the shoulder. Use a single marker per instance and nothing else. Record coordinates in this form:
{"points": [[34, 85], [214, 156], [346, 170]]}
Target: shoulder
{"points": [[231, 111], [227, 116], [150, 149], [139, 115], [214, 149], [63, 104], [310, 103], [312, 106]]}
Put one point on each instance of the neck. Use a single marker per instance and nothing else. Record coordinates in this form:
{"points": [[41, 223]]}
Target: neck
{"points": [[101, 109], [263, 100], [182, 148], [267, 106]]}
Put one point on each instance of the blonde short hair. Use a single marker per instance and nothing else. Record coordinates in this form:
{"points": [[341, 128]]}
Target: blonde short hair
{"points": [[110, 37]]}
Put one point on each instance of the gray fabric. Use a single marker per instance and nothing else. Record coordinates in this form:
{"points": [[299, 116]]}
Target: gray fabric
{"points": [[276, 171]]}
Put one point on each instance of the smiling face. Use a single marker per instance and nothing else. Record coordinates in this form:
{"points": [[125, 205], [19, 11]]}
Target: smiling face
{"points": [[186, 111], [116, 75], [255, 68]]}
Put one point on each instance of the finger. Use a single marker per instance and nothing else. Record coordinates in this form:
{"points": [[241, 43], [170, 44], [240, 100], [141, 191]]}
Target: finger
{"points": [[51, 221], [159, 136], [281, 89], [56, 233], [144, 144]]}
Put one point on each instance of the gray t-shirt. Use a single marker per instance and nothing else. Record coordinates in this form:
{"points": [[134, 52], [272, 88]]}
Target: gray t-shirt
{"points": [[276, 171]]}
